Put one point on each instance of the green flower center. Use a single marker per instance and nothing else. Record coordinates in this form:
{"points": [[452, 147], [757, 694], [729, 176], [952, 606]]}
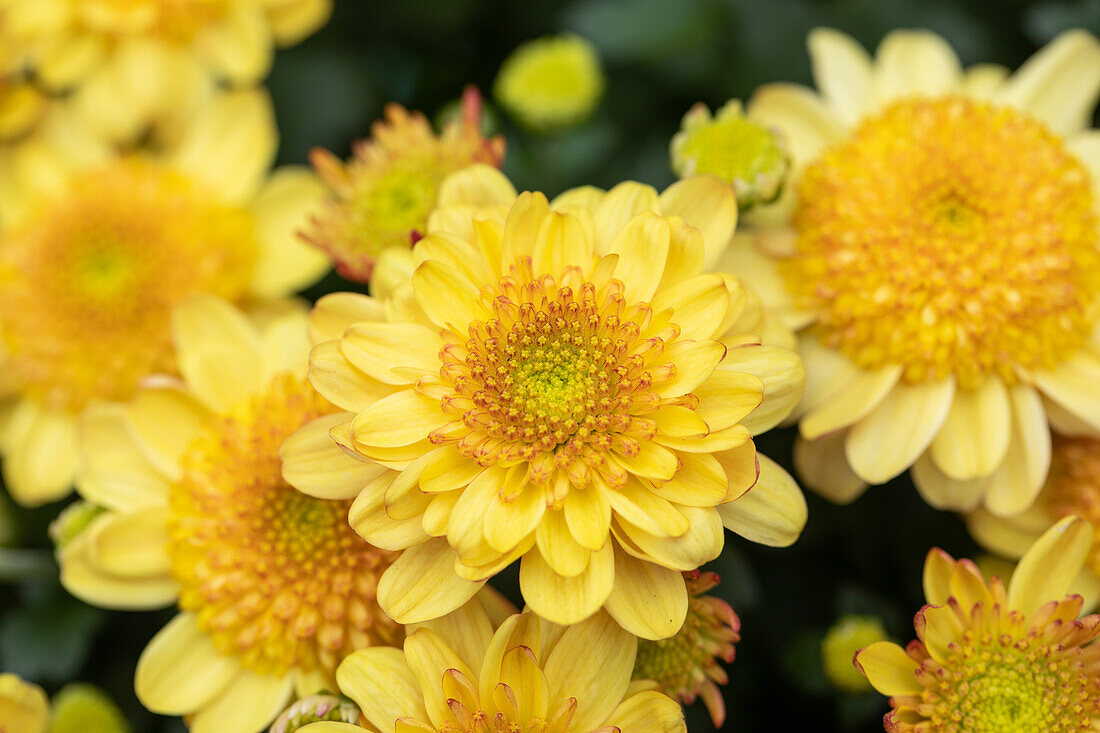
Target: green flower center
{"points": [[734, 149], [401, 200]]}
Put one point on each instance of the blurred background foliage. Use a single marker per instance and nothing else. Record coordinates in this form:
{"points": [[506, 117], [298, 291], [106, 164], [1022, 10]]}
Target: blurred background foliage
{"points": [[659, 56]]}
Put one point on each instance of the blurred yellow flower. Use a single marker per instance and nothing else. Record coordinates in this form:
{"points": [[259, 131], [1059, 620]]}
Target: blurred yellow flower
{"points": [[750, 157], [81, 708], [991, 659], [97, 248], [551, 82], [382, 197], [557, 383], [24, 707], [456, 674], [1071, 488], [274, 588], [21, 104], [73, 41], [939, 243], [846, 637]]}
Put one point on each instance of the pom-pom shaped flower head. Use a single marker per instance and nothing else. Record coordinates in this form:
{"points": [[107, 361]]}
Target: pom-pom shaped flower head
{"points": [[98, 247], [274, 588], [101, 41], [1071, 488], [551, 83], [456, 675], [382, 197], [938, 241], [557, 383], [991, 660]]}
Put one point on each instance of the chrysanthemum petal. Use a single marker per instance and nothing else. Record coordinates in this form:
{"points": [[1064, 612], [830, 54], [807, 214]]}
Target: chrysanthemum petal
{"points": [[447, 296], [648, 600], [251, 702], [429, 657], [699, 305], [377, 348], [314, 464], [894, 434], [231, 145], [41, 454], [508, 523], [556, 544], [807, 125], [938, 566], [772, 513], [341, 383], [1046, 570], [1072, 384], [701, 543], [695, 361], [1060, 84], [209, 333], [163, 422], [588, 516], [861, 394], [380, 682], [89, 582], [1015, 484], [285, 262], [701, 482], [561, 242], [708, 204], [468, 631], [399, 419], [915, 62], [636, 503], [592, 662], [783, 375], [132, 545], [975, 436], [943, 492], [567, 600], [889, 669], [240, 47], [642, 246], [476, 185], [422, 584], [1008, 536], [823, 467], [181, 670], [522, 226], [648, 712], [455, 252], [618, 206], [842, 71], [336, 312]]}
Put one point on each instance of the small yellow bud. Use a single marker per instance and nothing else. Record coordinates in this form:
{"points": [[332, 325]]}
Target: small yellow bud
{"points": [[73, 520], [83, 708]]}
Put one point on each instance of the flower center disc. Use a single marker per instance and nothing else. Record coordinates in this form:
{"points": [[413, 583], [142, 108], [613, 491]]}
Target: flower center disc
{"points": [[951, 237], [275, 576], [557, 377], [89, 282], [1011, 685]]}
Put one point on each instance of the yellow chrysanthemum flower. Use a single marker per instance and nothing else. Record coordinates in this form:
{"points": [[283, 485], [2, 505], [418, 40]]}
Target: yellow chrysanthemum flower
{"points": [[557, 383], [383, 196], [24, 707], [96, 250], [74, 41], [456, 675], [550, 83], [988, 659], [938, 240], [274, 588], [1071, 488]]}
